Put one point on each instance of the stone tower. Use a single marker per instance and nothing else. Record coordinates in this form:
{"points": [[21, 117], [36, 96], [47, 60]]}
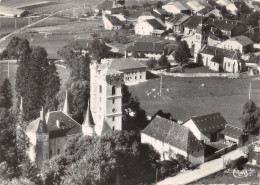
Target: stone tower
{"points": [[88, 126], [105, 97], [42, 141], [200, 38]]}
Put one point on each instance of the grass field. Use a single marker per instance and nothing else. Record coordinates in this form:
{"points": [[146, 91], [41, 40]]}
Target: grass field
{"points": [[187, 98]]}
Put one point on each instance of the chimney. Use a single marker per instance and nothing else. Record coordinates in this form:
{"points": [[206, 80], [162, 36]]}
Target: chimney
{"points": [[58, 123]]}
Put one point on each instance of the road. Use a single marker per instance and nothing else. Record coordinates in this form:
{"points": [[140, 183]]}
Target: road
{"points": [[204, 170]]}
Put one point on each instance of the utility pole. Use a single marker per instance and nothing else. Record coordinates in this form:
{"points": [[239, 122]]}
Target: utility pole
{"points": [[161, 86], [15, 23], [250, 90]]}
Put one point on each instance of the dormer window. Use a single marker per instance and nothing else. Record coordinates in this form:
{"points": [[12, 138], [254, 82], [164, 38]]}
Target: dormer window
{"points": [[100, 89], [113, 90]]}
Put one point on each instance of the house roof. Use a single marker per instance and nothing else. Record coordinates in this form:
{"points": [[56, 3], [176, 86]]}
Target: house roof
{"points": [[205, 10], [172, 133], [136, 14], [193, 22], [178, 19], [226, 25], [195, 6], [243, 40], [212, 3], [146, 47], [232, 131], [113, 20], [218, 53], [84, 43], [155, 24], [125, 64], [210, 122], [108, 5], [241, 5], [10, 10], [68, 126]]}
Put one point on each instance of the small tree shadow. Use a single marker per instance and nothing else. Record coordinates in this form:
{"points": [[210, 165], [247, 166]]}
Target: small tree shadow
{"points": [[150, 75]]}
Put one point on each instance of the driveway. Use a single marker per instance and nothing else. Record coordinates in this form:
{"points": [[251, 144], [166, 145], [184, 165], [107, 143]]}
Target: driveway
{"points": [[204, 170]]}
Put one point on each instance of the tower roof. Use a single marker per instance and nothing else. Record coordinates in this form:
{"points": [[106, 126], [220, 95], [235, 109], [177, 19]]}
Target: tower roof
{"points": [[66, 108], [88, 121], [105, 128], [42, 127]]}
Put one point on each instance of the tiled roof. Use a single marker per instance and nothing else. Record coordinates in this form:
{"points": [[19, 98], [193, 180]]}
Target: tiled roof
{"points": [[226, 25], [194, 5], [178, 19], [193, 22], [108, 5], [232, 131], [218, 53], [125, 63], [155, 24], [243, 40], [68, 126], [172, 133], [180, 5], [205, 10], [210, 122], [241, 5], [113, 20], [136, 14], [146, 47]]}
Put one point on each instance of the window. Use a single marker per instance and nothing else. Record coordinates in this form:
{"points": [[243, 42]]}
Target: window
{"points": [[58, 151], [113, 101], [113, 128], [113, 118], [113, 90], [50, 153], [140, 77], [100, 89], [135, 77]]}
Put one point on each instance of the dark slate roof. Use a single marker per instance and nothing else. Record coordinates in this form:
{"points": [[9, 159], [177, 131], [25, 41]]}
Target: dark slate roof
{"points": [[88, 117], [193, 22], [210, 122], [232, 131], [226, 25], [136, 14], [146, 47], [125, 64], [42, 128], [205, 10], [172, 133], [212, 3], [243, 40], [178, 19], [113, 20], [155, 24], [68, 126], [218, 53], [241, 5]]}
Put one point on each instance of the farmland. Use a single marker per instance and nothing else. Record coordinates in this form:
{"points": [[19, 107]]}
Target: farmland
{"points": [[186, 97]]}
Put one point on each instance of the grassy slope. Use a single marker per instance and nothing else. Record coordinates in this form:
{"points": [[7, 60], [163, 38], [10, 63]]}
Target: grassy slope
{"points": [[185, 99]]}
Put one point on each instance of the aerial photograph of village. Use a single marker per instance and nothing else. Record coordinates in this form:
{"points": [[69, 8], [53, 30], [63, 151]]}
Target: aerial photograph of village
{"points": [[129, 92]]}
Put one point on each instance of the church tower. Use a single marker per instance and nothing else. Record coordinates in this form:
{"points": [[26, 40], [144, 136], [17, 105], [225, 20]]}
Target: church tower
{"points": [[105, 97], [88, 126], [200, 38], [42, 141]]}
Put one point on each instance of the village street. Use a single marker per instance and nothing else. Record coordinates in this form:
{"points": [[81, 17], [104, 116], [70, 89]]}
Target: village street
{"points": [[204, 169]]}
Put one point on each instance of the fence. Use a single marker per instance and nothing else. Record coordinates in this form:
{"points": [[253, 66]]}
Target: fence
{"points": [[228, 75]]}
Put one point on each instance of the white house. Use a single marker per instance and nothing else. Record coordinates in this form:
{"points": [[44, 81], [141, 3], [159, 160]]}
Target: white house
{"points": [[147, 26], [111, 22], [133, 70], [109, 7], [206, 128], [241, 43], [218, 59], [170, 138]]}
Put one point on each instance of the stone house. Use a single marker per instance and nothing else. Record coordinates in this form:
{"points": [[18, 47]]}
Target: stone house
{"points": [[170, 138], [112, 22], [232, 135], [176, 22], [147, 26]]}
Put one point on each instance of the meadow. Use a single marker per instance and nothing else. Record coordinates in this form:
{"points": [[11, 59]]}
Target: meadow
{"points": [[185, 97]]}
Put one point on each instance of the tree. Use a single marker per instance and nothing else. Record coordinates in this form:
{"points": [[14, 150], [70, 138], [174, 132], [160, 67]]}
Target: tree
{"points": [[106, 156], [151, 63], [163, 61], [98, 50], [6, 95], [182, 54], [250, 117], [159, 4], [16, 47], [31, 171], [135, 54]]}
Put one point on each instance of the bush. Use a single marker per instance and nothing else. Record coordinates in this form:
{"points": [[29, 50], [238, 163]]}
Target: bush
{"points": [[237, 163]]}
